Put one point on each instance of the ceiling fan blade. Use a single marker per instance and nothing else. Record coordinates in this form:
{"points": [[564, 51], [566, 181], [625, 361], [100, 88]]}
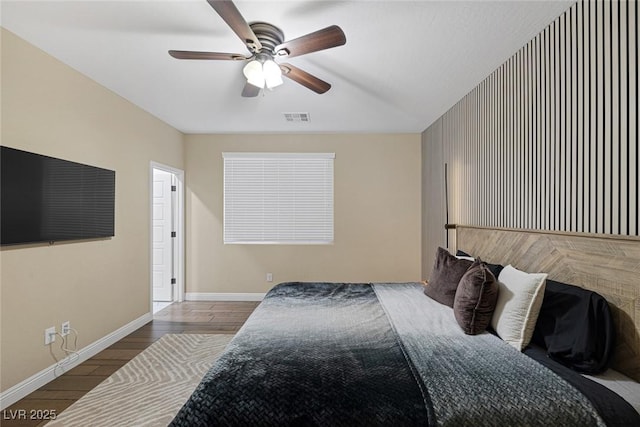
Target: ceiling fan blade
{"points": [[188, 54], [305, 79], [230, 14], [250, 91], [322, 39]]}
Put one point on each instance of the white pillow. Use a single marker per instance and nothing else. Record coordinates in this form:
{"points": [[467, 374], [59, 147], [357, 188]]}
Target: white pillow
{"points": [[518, 306]]}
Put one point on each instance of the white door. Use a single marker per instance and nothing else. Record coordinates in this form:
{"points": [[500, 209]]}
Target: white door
{"points": [[162, 240]]}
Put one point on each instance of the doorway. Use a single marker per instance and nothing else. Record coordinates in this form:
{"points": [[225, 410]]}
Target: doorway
{"points": [[167, 237]]}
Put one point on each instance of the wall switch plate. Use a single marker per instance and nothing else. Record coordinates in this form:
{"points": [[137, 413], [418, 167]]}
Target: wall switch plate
{"points": [[49, 335], [269, 277], [65, 327]]}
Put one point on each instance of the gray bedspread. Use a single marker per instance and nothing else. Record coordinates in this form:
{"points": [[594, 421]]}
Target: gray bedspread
{"points": [[329, 354]]}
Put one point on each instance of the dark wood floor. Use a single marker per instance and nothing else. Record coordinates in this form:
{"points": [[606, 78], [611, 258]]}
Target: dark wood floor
{"points": [[200, 317]]}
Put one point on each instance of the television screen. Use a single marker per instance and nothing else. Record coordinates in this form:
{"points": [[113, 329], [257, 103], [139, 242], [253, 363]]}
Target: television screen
{"points": [[44, 199]]}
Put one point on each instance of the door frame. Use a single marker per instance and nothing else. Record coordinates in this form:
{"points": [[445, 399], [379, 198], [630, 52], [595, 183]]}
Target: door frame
{"points": [[178, 290]]}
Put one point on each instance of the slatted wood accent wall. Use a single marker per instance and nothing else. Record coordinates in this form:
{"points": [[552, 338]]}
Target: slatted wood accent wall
{"points": [[548, 141], [605, 264]]}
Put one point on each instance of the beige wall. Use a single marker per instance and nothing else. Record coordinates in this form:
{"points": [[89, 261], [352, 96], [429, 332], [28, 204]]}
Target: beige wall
{"points": [[101, 285], [377, 214], [98, 285]]}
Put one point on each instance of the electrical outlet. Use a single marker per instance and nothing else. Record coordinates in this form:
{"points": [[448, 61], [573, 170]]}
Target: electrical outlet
{"points": [[64, 328], [49, 335], [269, 277]]}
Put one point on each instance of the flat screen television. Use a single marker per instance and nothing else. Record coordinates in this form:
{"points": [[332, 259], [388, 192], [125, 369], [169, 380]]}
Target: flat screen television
{"points": [[44, 199]]}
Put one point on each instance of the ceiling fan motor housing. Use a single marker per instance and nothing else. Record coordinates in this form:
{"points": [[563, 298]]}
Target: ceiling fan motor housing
{"points": [[269, 36]]}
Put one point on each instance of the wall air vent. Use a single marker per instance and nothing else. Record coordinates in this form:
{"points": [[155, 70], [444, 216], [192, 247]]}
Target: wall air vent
{"points": [[297, 117]]}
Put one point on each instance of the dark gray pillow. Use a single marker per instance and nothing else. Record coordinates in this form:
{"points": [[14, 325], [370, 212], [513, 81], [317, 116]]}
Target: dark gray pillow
{"points": [[447, 272], [476, 298]]}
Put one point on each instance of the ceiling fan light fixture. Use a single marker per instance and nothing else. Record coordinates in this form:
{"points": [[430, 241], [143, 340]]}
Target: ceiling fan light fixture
{"points": [[254, 74], [272, 74], [263, 73]]}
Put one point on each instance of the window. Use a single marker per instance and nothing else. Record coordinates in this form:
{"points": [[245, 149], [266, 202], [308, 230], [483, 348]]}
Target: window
{"points": [[278, 198]]}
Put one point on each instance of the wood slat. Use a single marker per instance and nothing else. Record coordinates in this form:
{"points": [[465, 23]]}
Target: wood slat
{"points": [[549, 140]]}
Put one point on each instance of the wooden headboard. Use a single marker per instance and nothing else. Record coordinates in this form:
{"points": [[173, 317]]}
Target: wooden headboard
{"points": [[609, 265]]}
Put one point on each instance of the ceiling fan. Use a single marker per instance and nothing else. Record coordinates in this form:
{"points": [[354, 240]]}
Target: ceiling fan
{"points": [[265, 43]]}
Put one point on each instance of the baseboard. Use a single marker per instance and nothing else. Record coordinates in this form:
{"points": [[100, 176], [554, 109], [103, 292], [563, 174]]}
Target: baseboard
{"points": [[220, 296], [31, 384]]}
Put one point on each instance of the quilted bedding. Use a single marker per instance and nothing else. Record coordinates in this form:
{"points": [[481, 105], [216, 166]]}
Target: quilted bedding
{"points": [[331, 354]]}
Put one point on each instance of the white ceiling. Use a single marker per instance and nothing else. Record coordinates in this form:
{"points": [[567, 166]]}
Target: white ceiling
{"points": [[405, 63]]}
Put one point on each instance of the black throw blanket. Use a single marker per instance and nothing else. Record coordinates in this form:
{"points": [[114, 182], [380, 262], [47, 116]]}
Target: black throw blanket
{"points": [[295, 363]]}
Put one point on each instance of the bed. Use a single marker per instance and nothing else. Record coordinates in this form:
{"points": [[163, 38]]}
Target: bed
{"points": [[387, 354]]}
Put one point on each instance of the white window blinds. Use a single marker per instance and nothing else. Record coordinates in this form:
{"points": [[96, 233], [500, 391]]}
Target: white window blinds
{"points": [[278, 198]]}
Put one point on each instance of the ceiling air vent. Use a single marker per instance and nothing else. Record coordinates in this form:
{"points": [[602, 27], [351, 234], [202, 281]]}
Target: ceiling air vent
{"points": [[297, 117]]}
